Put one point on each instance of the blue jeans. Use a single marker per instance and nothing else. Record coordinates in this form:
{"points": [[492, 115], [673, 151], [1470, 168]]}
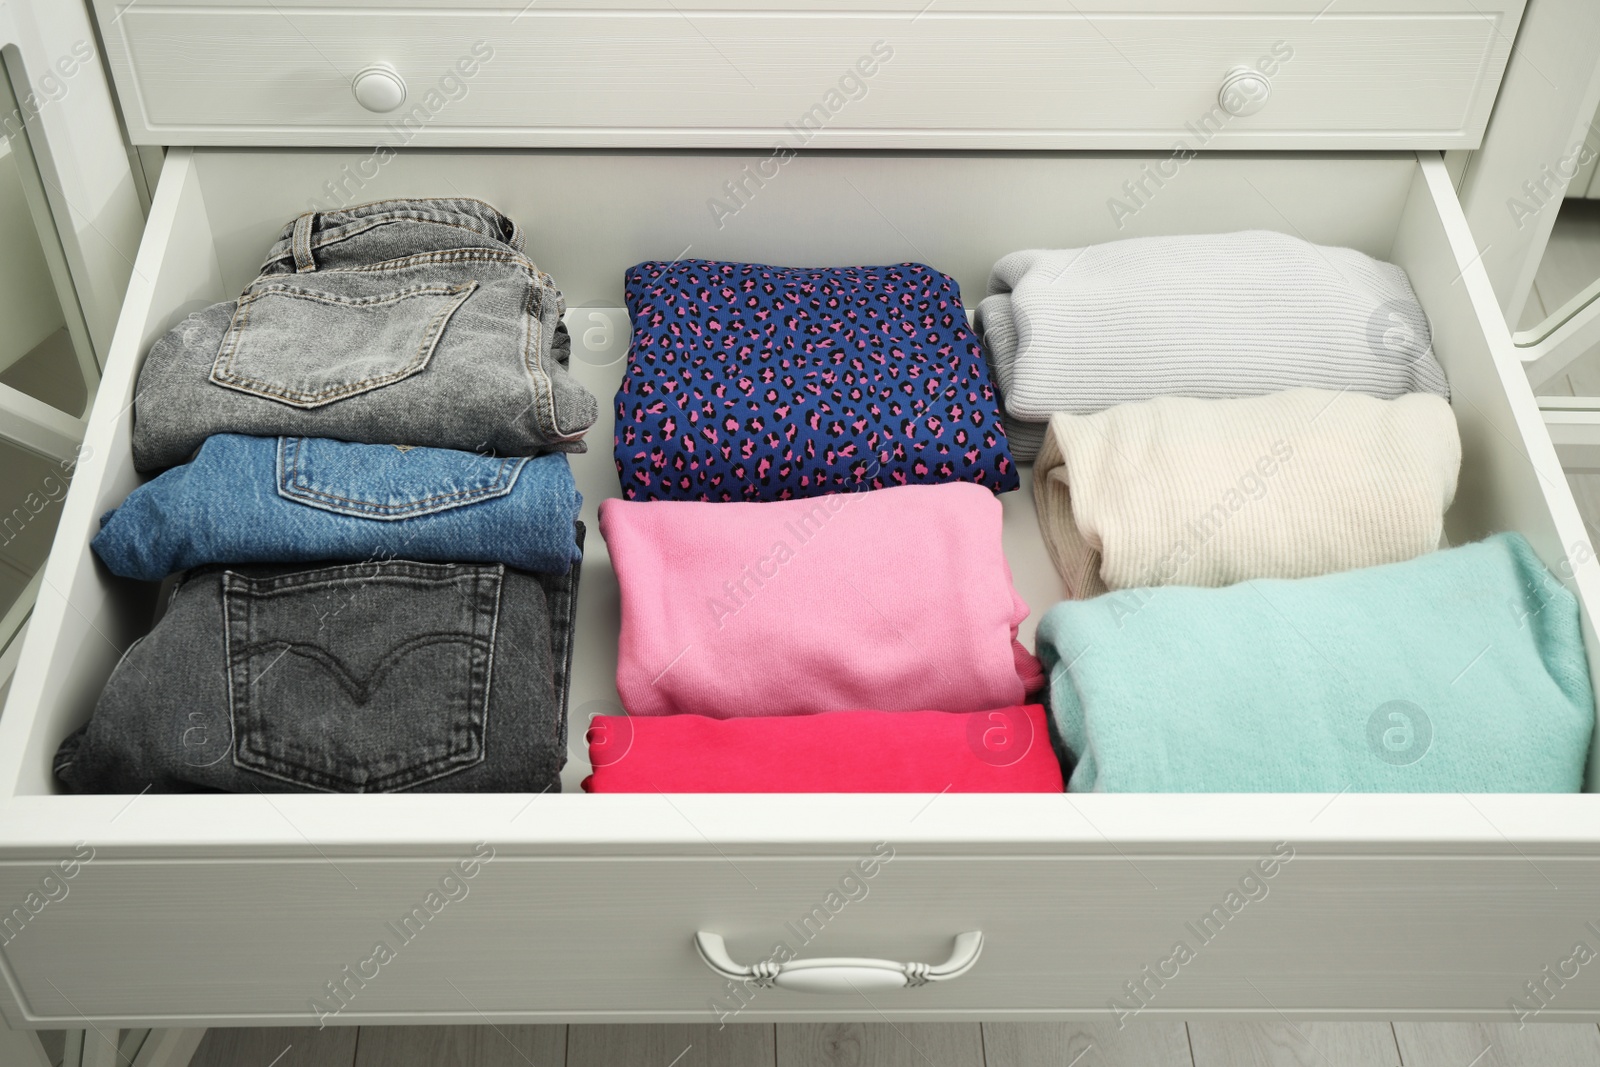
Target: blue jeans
{"points": [[302, 499]]}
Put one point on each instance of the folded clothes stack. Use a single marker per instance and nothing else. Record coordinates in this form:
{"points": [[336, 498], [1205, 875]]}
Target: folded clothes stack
{"points": [[406, 322], [752, 634], [892, 599], [1458, 671], [1245, 456], [809, 460], [750, 382], [299, 499], [353, 678], [1177, 491], [1245, 461], [381, 402], [1208, 315]]}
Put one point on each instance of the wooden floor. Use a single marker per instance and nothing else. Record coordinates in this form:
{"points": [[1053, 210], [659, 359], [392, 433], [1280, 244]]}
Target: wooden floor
{"points": [[1141, 1044]]}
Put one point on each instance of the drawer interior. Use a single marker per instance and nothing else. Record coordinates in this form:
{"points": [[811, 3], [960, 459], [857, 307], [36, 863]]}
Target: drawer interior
{"points": [[591, 214]]}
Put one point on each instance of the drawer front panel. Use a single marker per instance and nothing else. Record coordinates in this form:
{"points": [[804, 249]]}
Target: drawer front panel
{"points": [[1127, 77], [350, 940]]}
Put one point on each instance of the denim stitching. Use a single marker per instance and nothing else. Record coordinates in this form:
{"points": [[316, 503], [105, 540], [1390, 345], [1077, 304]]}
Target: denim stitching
{"points": [[394, 571], [300, 243], [451, 206], [488, 666], [534, 349], [451, 211], [222, 372], [364, 224], [357, 690], [291, 486], [561, 670], [289, 289], [242, 593], [442, 255], [542, 386]]}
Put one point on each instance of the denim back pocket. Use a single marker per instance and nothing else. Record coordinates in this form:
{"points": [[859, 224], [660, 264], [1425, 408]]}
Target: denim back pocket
{"points": [[362, 678], [388, 482], [330, 335]]}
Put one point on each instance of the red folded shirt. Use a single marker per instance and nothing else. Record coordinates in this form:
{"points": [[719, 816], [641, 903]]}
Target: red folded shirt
{"points": [[1002, 751]]}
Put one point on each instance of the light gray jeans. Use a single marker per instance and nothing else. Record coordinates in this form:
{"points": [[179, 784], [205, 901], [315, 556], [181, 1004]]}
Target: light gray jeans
{"points": [[408, 322]]}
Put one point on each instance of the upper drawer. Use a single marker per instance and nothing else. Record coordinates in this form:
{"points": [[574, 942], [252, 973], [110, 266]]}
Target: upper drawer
{"points": [[1146, 74]]}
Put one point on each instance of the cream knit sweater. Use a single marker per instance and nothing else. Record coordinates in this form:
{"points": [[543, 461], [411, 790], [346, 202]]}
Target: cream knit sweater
{"points": [[1181, 491]]}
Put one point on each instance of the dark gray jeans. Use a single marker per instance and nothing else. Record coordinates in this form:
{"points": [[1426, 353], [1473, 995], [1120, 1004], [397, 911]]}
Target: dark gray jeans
{"points": [[365, 677], [410, 322]]}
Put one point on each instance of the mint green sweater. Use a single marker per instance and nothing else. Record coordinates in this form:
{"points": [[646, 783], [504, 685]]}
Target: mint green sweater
{"points": [[1459, 671]]}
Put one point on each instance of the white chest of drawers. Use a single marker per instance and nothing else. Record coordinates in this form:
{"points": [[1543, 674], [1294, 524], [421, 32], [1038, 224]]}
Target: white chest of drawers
{"points": [[215, 909], [903, 73]]}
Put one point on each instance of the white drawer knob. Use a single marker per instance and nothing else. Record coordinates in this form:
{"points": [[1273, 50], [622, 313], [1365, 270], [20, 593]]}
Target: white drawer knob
{"points": [[379, 89], [840, 975], [1244, 91]]}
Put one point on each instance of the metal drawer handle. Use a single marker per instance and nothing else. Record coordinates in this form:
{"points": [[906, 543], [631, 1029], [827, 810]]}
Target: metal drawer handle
{"points": [[843, 974]]}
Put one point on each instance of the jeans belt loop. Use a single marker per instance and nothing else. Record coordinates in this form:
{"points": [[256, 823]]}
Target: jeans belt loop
{"points": [[303, 262]]}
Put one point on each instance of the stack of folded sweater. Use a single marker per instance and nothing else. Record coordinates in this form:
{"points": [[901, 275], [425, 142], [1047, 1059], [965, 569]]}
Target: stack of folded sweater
{"points": [[375, 535], [1245, 458], [1458, 671], [1179, 491], [1080, 330], [809, 553], [778, 614]]}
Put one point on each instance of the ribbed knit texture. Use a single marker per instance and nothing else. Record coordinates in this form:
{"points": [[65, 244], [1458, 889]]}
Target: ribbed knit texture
{"points": [[1208, 315], [1458, 671], [1178, 491]]}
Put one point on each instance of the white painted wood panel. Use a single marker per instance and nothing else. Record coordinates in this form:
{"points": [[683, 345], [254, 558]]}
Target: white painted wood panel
{"points": [[1571, 261], [736, 1045], [1289, 1044], [1141, 1042], [28, 303], [462, 1046], [1112, 74], [1512, 188], [1095, 938], [880, 1044], [75, 137]]}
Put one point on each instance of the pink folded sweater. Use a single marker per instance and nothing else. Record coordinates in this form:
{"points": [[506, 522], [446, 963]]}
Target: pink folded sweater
{"points": [[895, 599], [1001, 751]]}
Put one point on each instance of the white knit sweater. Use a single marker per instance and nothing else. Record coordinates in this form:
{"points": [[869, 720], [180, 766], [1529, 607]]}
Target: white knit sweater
{"points": [[1179, 491], [1205, 315]]}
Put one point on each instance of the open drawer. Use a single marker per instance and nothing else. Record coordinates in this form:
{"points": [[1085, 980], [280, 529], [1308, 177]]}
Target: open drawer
{"points": [[300, 909]]}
